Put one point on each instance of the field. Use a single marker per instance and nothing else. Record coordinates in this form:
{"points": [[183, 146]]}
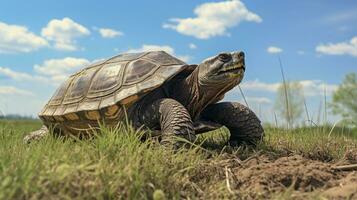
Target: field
{"points": [[288, 164]]}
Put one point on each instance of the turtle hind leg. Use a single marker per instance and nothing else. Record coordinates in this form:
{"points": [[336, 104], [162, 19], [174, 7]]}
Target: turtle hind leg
{"points": [[172, 119], [243, 124], [36, 135]]}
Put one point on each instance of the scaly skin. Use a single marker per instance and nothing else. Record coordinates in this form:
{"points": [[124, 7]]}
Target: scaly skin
{"points": [[36, 135], [172, 108], [171, 118], [242, 123], [198, 94]]}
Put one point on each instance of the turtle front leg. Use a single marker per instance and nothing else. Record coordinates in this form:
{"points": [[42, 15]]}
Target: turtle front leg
{"points": [[243, 124], [36, 135], [171, 118]]}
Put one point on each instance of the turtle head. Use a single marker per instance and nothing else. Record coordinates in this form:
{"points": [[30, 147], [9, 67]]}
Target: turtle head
{"points": [[225, 69]]}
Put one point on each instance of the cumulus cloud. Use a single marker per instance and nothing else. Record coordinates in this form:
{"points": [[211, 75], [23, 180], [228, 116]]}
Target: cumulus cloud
{"points": [[317, 87], [310, 87], [19, 76], [18, 39], [152, 47], [109, 33], [258, 100], [11, 90], [60, 69], [213, 19], [53, 71], [274, 50], [260, 86], [341, 48], [63, 33], [167, 48]]}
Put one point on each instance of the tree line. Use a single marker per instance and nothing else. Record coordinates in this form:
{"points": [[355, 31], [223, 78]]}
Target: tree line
{"points": [[291, 103]]}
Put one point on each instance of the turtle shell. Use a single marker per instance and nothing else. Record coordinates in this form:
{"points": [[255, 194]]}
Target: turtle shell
{"points": [[101, 90]]}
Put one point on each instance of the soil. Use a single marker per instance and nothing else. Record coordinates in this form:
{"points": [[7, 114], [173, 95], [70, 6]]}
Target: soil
{"points": [[261, 177]]}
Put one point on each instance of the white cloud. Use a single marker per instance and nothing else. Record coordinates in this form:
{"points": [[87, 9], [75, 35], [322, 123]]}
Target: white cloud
{"points": [[213, 19], [19, 76], [109, 33], [151, 47], [166, 48], [15, 39], [257, 85], [53, 71], [274, 50], [317, 87], [60, 69], [310, 87], [192, 46], [63, 33], [341, 48], [98, 60], [258, 100], [11, 90]]}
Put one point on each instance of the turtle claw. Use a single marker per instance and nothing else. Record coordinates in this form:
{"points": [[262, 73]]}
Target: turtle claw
{"points": [[36, 135]]}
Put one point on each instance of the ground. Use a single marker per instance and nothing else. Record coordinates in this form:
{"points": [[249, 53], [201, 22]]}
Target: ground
{"points": [[288, 164]]}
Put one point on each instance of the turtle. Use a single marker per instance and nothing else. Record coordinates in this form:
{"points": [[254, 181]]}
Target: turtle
{"points": [[155, 91]]}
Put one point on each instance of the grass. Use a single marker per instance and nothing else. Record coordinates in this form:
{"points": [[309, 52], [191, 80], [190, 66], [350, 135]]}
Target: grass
{"points": [[117, 165]]}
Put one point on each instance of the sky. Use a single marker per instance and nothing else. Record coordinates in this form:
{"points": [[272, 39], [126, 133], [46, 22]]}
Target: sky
{"points": [[43, 42]]}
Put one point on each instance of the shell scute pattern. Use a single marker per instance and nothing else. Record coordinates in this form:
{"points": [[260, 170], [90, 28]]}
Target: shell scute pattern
{"points": [[102, 90], [138, 70], [79, 86]]}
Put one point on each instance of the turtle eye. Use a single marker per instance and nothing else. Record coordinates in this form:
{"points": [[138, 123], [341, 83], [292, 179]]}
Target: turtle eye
{"points": [[224, 57]]}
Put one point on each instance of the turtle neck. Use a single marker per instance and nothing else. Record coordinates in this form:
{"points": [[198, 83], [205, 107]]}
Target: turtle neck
{"points": [[194, 96]]}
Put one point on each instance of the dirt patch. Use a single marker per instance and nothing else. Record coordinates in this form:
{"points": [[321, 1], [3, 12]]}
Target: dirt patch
{"points": [[345, 189], [297, 172], [263, 177]]}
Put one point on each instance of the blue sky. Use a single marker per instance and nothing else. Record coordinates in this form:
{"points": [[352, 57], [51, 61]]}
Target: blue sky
{"points": [[42, 42]]}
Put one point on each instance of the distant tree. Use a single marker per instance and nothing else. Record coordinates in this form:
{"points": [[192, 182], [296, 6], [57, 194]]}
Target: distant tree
{"points": [[344, 99], [289, 101]]}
